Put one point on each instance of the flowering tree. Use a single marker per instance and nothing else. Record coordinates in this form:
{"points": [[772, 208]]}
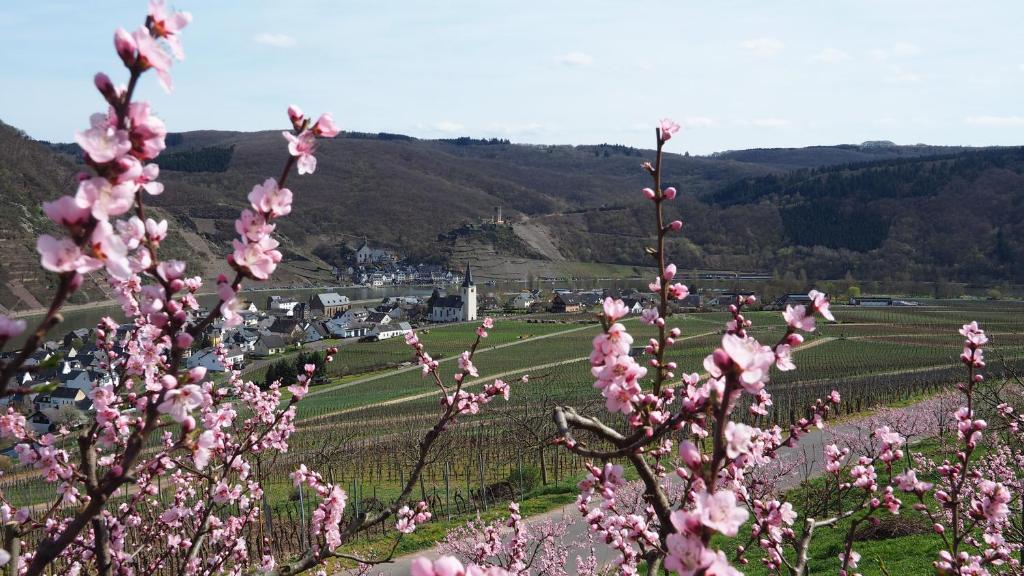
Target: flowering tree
{"points": [[701, 472], [725, 474], [541, 548], [156, 419]]}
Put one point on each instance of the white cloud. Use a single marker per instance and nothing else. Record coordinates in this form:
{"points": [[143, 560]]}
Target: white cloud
{"points": [[831, 56], [899, 75], [886, 121], [575, 59], [995, 121], [770, 122], [274, 39], [448, 127], [905, 49], [692, 122], [763, 47], [897, 50], [1020, 67]]}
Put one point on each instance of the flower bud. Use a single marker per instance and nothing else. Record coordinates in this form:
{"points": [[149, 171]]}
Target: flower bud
{"points": [[105, 86], [676, 225], [670, 193], [649, 193], [125, 46]]}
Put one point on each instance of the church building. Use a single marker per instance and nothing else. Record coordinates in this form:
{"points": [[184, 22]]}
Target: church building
{"points": [[455, 307]]}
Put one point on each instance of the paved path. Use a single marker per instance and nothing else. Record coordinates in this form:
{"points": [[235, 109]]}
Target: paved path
{"points": [[811, 444]]}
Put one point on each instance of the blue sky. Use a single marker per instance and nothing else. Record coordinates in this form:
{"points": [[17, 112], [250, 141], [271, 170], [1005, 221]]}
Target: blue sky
{"points": [[737, 74]]}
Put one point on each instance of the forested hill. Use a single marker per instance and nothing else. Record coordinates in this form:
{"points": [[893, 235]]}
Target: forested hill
{"points": [[954, 216], [874, 210]]}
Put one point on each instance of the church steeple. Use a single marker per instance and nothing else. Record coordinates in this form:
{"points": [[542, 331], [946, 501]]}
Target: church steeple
{"points": [[467, 281]]}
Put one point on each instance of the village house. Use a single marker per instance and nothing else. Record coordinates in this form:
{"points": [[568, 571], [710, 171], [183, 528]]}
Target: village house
{"points": [[385, 331], [521, 301], [328, 304], [53, 401], [289, 329], [565, 302], [207, 358], [269, 344], [357, 330], [281, 306], [315, 332]]}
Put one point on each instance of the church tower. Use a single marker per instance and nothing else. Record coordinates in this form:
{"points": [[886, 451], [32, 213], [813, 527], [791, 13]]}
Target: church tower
{"points": [[468, 296]]}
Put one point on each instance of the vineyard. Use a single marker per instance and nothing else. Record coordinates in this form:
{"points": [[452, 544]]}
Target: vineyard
{"points": [[361, 427]]}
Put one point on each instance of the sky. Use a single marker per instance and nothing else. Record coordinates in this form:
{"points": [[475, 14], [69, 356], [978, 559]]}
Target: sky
{"points": [[735, 74]]}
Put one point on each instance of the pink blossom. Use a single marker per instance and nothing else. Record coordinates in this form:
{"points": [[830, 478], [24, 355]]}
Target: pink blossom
{"points": [[739, 439], [147, 132], [753, 360], [689, 454], [258, 258], [466, 364], [678, 291], [152, 55], [666, 128], [156, 231], [103, 142], [10, 327], [614, 309], [296, 116], [104, 199], [798, 318], [64, 256], [65, 211], [821, 304], [302, 146], [167, 24], [109, 248], [269, 199], [719, 512], [784, 358], [179, 402], [325, 127], [650, 315], [854, 558]]}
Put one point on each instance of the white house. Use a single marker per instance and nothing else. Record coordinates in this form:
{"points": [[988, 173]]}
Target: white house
{"points": [[385, 331], [207, 358], [53, 401], [353, 315], [283, 305], [84, 380], [522, 301], [357, 330]]}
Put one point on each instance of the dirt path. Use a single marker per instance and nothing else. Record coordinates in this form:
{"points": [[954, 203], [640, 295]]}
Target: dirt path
{"points": [[388, 374]]}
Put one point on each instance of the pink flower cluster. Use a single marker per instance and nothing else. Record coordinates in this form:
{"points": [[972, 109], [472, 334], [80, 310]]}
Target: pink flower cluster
{"points": [[408, 518]]}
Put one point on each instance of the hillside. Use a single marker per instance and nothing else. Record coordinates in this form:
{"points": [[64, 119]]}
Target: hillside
{"points": [[876, 210]]}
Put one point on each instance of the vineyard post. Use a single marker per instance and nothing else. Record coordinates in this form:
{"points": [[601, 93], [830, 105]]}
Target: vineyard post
{"points": [[302, 515], [521, 493], [447, 499], [12, 543]]}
